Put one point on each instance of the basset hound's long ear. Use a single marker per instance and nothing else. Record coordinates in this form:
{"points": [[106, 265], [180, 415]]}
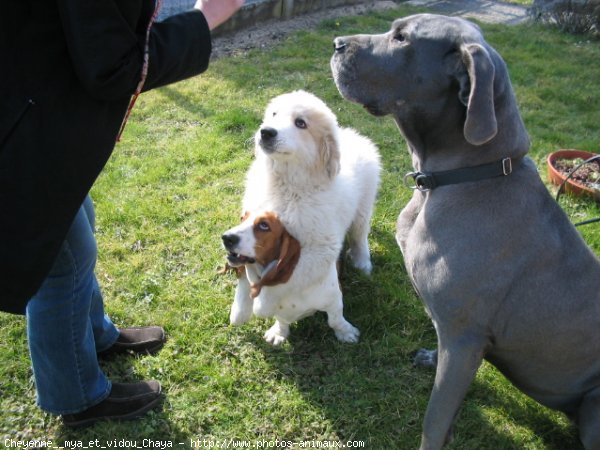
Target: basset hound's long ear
{"points": [[477, 94], [282, 271], [330, 155]]}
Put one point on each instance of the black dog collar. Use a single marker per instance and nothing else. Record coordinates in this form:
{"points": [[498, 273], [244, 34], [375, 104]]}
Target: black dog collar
{"points": [[426, 181]]}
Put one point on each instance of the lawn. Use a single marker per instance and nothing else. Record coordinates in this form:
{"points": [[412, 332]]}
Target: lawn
{"points": [[175, 184]]}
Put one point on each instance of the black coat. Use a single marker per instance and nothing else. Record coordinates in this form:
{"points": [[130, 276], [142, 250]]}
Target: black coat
{"points": [[67, 71]]}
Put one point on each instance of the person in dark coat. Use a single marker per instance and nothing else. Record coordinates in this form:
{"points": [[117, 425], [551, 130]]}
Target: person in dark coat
{"points": [[69, 71]]}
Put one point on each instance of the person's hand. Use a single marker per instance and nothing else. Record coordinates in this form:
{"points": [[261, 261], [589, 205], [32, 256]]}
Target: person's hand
{"points": [[218, 11]]}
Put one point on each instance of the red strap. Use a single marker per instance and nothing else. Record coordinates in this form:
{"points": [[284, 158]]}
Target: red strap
{"points": [[140, 85]]}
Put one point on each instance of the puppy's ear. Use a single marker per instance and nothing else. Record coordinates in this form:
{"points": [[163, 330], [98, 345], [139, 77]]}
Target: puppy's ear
{"points": [[282, 271], [477, 94], [330, 155]]}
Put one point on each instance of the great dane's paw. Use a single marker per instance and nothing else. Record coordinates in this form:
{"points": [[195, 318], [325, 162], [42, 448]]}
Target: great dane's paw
{"points": [[425, 358], [274, 336], [348, 334]]}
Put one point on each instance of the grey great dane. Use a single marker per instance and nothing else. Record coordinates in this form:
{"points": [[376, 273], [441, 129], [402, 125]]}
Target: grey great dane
{"points": [[502, 272]]}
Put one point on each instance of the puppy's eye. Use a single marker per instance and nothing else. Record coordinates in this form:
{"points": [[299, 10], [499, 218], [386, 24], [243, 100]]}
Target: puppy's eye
{"points": [[300, 123], [274, 113], [263, 226]]}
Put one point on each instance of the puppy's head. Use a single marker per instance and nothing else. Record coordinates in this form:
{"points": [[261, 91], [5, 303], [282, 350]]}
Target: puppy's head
{"points": [[262, 239], [299, 128]]}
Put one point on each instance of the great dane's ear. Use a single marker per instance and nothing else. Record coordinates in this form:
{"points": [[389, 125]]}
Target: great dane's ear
{"points": [[330, 155], [477, 94]]}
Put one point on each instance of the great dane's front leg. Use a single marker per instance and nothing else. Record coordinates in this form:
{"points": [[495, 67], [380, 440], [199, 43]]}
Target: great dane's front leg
{"points": [[459, 358]]}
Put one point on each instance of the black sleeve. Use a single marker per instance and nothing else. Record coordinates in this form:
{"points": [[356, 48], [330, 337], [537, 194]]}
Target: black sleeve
{"points": [[180, 48], [107, 53]]}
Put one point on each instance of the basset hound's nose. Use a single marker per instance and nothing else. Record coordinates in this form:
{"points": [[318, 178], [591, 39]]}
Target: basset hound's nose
{"points": [[230, 240], [339, 45], [267, 133]]}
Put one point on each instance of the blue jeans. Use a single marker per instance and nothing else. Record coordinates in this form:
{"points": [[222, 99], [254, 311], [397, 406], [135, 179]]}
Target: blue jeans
{"points": [[67, 326]]}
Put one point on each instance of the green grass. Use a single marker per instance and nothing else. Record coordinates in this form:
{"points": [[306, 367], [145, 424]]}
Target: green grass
{"points": [[175, 184]]}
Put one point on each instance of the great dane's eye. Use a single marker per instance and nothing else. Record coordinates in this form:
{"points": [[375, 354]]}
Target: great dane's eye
{"points": [[300, 123], [263, 226], [399, 37]]}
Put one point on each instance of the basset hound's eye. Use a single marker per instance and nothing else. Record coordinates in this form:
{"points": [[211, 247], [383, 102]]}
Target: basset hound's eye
{"points": [[300, 123], [263, 226]]}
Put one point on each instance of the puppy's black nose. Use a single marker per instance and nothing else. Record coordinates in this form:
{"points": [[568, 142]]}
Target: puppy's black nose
{"points": [[339, 45], [230, 240], [267, 133]]}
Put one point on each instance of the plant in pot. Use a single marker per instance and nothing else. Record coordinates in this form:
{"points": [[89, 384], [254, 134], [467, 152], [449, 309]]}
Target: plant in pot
{"points": [[578, 171]]}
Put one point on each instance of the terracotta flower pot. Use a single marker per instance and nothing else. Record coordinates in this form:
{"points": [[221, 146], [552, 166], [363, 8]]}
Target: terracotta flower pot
{"points": [[572, 186]]}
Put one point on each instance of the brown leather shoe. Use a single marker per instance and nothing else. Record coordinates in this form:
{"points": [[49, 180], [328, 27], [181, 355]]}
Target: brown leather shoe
{"points": [[126, 401], [147, 340]]}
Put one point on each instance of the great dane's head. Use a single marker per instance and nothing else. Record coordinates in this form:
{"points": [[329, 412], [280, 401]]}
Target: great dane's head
{"points": [[444, 85]]}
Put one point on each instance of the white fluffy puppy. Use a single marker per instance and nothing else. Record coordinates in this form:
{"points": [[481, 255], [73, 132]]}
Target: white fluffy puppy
{"points": [[321, 181]]}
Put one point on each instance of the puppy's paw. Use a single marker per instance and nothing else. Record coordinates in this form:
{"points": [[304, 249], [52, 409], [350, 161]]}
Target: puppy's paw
{"points": [[425, 358], [274, 336], [361, 260], [365, 267], [348, 334], [239, 316]]}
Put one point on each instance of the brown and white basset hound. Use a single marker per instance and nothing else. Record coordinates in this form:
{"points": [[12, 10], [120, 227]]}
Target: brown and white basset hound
{"points": [[264, 248], [265, 255]]}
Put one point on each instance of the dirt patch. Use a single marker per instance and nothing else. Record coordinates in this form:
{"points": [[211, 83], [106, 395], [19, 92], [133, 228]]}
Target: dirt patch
{"points": [[266, 34]]}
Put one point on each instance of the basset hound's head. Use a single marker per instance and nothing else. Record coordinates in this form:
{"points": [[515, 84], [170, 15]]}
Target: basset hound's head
{"points": [[262, 239]]}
